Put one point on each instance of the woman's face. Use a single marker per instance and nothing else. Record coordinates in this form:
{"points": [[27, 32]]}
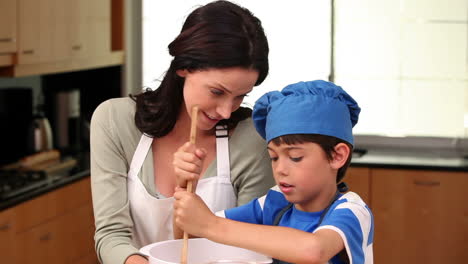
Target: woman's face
{"points": [[217, 92]]}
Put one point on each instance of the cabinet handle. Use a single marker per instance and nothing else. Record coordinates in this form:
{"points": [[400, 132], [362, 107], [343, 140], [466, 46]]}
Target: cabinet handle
{"points": [[28, 52], [76, 47], [426, 183], [46, 237], [5, 227], [7, 40]]}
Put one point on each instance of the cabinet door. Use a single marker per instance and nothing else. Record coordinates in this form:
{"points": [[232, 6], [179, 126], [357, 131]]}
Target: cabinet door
{"points": [[7, 26], [78, 227], [7, 235], [57, 227], [98, 33], [420, 216], [43, 31], [35, 33], [79, 27], [358, 181], [42, 244]]}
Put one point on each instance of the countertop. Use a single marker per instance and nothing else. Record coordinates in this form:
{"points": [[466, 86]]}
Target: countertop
{"points": [[373, 158], [47, 187], [401, 159]]}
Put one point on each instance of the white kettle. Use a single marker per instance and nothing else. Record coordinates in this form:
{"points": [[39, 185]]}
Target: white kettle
{"points": [[40, 134]]}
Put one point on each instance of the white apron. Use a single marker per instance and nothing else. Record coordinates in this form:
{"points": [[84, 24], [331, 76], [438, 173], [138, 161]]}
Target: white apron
{"points": [[152, 217]]}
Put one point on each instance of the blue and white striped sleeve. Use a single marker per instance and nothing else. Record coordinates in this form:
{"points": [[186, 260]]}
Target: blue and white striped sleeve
{"points": [[353, 221], [251, 212]]}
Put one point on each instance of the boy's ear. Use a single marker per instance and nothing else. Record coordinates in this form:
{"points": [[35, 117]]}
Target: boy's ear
{"points": [[342, 152], [182, 73]]}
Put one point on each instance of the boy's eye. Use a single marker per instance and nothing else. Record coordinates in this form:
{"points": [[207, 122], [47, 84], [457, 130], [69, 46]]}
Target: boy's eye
{"points": [[296, 159]]}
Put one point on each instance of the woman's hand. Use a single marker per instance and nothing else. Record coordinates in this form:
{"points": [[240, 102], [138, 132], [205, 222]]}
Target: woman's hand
{"points": [[191, 214], [136, 259], [188, 164]]}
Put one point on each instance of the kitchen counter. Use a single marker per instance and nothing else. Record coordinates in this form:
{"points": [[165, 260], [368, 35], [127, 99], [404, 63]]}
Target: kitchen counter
{"points": [[372, 157], [404, 159], [45, 188]]}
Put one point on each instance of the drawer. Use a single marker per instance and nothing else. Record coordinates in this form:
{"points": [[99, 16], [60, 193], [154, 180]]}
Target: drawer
{"points": [[53, 204]]}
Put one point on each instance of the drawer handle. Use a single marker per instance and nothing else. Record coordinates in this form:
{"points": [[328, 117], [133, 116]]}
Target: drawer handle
{"points": [[46, 237], [7, 40], [76, 47], [426, 183], [28, 52], [5, 227]]}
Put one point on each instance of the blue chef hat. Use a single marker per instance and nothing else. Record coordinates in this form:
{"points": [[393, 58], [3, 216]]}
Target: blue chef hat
{"points": [[315, 107]]}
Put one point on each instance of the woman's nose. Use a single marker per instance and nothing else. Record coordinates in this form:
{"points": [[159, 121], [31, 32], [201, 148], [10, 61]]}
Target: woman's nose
{"points": [[225, 110]]}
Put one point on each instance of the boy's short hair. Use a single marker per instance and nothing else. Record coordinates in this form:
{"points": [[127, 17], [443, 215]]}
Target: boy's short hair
{"points": [[327, 143]]}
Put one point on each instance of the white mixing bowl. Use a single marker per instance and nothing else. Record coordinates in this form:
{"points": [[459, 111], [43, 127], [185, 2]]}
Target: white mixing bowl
{"points": [[201, 251]]}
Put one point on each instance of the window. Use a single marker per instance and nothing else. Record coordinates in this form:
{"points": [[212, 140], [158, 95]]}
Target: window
{"points": [[298, 33], [405, 62]]}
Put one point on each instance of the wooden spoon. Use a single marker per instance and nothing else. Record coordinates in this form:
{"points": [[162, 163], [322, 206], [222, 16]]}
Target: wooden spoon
{"points": [[193, 136]]}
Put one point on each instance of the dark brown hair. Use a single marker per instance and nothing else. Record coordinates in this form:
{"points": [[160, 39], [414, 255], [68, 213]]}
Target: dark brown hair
{"points": [[217, 35], [327, 143]]}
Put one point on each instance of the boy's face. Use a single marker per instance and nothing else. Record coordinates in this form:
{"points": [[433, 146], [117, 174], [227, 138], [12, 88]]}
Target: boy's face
{"points": [[304, 174]]}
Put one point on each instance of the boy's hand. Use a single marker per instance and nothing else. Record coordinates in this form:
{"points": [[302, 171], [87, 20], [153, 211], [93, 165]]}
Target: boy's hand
{"points": [[191, 214], [188, 164]]}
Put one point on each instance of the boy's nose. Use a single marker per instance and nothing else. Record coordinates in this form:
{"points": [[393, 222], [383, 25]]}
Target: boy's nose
{"points": [[280, 168]]}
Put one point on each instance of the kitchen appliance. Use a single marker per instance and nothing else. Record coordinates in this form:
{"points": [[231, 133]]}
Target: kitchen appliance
{"points": [[40, 133], [67, 120], [15, 119], [200, 250]]}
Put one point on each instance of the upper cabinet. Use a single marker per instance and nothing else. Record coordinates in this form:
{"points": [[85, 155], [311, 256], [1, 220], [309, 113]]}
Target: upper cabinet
{"points": [[61, 35], [7, 31]]}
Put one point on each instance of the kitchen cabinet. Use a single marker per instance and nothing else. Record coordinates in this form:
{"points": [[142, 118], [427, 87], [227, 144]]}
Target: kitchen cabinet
{"points": [[52, 30], [7, 235], [57, 227], [7, 26], [420, 216], [7, 31], [63, 35], [358, 181]]}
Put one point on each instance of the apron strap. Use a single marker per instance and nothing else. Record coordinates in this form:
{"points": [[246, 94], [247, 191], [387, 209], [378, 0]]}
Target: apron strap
{"points": [[139, 156], [222, 152]]}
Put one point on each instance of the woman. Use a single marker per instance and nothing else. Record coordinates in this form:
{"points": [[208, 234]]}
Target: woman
{"points": [[220, 54]]}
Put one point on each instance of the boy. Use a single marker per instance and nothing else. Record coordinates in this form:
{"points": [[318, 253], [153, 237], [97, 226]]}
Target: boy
{"points": [[305, 218]]}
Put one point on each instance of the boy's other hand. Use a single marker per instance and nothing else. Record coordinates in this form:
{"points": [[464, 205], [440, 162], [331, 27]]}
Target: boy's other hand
{"points": [[191, 214]]}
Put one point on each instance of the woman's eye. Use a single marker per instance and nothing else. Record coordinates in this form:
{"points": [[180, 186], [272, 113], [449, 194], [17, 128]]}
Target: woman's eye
{"points": [[216, 92], [273, 158], [295, 159], [242, 96]]}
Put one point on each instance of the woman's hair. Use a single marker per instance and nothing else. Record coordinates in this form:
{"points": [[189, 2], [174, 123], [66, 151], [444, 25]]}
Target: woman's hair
{"points": [[217, 35], [327, 143]]}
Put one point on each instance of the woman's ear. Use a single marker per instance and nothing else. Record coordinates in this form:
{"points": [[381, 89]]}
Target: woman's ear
{"points": [[182, 73], [340, 156]]}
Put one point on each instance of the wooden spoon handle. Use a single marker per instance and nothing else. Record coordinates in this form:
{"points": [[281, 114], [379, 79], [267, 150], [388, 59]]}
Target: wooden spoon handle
{"points": [[193, 136]]}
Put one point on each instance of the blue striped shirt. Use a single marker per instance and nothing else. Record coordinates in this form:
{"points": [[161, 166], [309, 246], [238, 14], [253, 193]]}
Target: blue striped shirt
{"points": [[349, 216]]}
